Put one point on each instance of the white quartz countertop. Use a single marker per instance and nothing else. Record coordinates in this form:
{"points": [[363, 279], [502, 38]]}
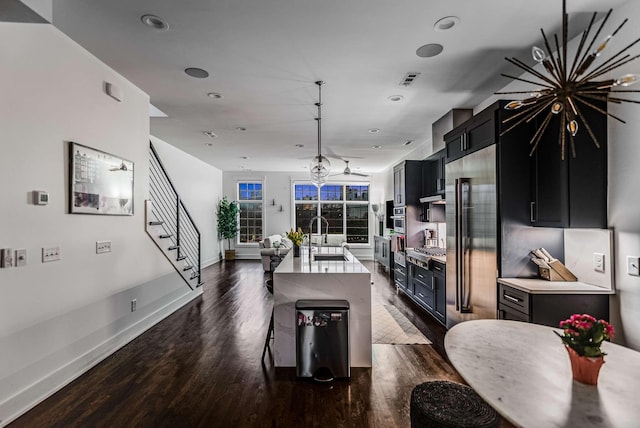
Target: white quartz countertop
{"points": [[540, 286], [301, 264], [523, 371]]}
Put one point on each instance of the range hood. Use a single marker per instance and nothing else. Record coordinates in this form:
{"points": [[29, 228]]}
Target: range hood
{"points": [[433, 199]]}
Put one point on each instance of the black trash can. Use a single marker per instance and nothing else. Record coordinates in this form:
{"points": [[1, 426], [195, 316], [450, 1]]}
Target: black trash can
{"points": [[322, 340]]}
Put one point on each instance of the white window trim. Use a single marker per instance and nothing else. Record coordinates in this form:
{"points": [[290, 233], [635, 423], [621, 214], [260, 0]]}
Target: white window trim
{"points": [[370, 229], [237, 185]]}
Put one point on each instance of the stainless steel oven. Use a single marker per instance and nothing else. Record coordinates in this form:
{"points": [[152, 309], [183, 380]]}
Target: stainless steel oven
{"points": [[399, 220]]}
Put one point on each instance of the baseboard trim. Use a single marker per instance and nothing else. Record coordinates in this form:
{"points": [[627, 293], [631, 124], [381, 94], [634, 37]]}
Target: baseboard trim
{"points": [[32, 395]]}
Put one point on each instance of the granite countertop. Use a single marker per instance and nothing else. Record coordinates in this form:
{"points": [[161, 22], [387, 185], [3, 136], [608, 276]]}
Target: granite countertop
{"points": [[540, 286], [291, 264]]}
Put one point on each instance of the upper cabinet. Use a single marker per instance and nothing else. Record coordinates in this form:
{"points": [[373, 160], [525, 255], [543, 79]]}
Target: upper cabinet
{"points": [[474, 134], [407, 183], [571, 192], [433, 174], [542, 189]]}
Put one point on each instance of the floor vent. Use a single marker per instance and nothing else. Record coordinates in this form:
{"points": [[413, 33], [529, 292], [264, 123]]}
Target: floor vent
{"points": [[409, 78]]}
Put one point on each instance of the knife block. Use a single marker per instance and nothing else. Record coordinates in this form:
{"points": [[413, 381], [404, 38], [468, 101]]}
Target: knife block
{"points": [[549, 274]]}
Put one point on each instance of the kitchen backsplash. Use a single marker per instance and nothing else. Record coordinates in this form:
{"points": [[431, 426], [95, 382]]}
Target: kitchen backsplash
{"points": [[579, 248]]}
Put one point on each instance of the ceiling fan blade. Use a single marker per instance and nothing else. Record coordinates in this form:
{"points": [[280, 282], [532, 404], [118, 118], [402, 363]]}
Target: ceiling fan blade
{"points": [[358, 174]]}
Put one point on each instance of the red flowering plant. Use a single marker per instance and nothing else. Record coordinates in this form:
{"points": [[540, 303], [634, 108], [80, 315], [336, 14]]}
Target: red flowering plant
{"points": [[584, 334]]}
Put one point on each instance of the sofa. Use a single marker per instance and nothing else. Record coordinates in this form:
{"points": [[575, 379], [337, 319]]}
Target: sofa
{"points": [[269, 246]]}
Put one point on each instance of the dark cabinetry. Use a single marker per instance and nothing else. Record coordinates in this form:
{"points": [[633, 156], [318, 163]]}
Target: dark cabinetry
{"points": [[400, 277], [433, 174], [427, 288], [548, 309], [473, 135], [407, 183], [382, 251], [571, 192]]}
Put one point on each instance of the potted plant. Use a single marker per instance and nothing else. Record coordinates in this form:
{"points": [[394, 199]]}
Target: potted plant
{"points": [[228, 224], [583, 335], [297, 237]]}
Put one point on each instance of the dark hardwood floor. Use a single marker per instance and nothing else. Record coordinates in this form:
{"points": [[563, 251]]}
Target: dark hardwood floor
{"points": [[201, 367]]}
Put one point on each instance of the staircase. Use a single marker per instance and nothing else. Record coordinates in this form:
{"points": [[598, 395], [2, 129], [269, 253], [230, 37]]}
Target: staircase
{"points": [[170, 225]]}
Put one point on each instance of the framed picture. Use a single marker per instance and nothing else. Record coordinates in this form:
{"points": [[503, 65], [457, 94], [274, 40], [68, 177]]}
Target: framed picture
{"points": [[100, 183]]}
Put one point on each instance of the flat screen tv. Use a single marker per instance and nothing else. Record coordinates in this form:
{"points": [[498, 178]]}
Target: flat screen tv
{"points": [[389, 214]]}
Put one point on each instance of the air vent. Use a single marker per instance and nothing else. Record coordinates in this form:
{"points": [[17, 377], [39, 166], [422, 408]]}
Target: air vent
{"points": [[210, 134], [409, 78]]}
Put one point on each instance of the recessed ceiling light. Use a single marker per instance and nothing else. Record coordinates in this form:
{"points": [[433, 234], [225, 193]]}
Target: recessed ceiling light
{"points": [[408, 143], [215, 95], [395, 98], [154, 22], [374, 130], [376, 147], [244, 157], [446, 23], [196, 72], [241, 128], [300, 146], [427, 51], [209, 134], [208, 144]]}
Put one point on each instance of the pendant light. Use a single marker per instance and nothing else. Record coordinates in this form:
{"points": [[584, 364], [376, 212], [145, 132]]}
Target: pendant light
{"points": [[320, 165]]}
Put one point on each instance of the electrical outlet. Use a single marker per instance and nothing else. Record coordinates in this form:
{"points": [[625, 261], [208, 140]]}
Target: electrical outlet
{"points": [[598, 262], [103, 247], [21, 257], [134, 304], [633, 265], [51, 254]]}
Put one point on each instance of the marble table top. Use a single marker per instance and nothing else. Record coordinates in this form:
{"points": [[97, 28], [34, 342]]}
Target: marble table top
{"points": [[523, 371]]}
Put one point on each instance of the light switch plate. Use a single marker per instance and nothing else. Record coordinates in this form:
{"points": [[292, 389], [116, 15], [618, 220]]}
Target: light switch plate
{"points": [[21, 257], [6, 258], [598, 262], [633, 265], [51, 254], [103, 247]]}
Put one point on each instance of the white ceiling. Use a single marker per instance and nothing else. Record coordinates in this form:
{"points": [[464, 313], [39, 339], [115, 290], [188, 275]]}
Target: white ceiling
{"points": [[264, 56]]}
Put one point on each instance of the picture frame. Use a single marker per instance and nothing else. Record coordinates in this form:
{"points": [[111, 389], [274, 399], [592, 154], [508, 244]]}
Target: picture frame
{"points": [[99, 182]]}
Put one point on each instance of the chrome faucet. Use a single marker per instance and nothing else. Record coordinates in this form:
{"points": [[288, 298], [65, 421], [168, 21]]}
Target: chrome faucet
{"points": [[311, 230]]}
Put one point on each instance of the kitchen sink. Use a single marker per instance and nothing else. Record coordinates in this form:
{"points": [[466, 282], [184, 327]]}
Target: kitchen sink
{"points": [[330, 257]]}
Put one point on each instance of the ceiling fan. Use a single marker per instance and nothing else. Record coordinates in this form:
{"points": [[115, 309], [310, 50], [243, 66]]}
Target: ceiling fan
{"points": [[347, 171]]}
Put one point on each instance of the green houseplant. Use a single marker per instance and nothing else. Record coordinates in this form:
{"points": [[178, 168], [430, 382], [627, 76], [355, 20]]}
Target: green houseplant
{"points": [[228, 224]]}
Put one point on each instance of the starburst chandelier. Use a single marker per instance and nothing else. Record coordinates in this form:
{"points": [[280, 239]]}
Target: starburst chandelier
{"points": [[566, 89]]}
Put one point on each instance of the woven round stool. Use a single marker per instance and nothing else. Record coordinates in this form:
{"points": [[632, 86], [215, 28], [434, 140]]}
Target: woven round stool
{"points": [[444, 404]]}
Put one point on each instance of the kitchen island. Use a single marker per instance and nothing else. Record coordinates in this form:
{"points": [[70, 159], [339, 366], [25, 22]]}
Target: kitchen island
{"points": [[299, 278]]}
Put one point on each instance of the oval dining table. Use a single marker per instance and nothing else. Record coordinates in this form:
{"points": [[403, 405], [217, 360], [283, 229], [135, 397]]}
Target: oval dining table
{"points": [[523, 371]]}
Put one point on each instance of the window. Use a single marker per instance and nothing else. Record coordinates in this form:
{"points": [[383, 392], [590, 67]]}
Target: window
{"points": [[250, 199], [345, 206]]}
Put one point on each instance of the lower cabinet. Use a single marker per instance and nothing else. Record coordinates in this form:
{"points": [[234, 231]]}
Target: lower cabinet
{"points": [[427, 288], [400, 277], [548, 309]]}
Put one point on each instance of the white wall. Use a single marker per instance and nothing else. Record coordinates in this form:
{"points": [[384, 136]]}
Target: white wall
{"points": [[58, 319], [278, 186]]}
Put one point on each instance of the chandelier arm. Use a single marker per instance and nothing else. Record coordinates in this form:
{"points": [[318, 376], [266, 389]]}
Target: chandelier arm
{"points": [[530, 70], [556, 67], [529, 108], [563, 72], [562, 136], [565, 36], [611, 67], [605, 67], [514, 92], [596, 108], [573, 146], [535, 140], [585, 35], [589, 130], [598, 97], [527, 118], [622, 100], [527, 81], [595, 37], [621, 91]]}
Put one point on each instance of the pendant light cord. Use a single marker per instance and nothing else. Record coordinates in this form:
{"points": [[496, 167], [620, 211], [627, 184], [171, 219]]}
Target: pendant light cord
{"points": [[319, 119]]}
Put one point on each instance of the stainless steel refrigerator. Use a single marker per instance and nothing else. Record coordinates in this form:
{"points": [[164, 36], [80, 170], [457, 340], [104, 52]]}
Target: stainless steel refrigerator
{"points": [[472, 236]]}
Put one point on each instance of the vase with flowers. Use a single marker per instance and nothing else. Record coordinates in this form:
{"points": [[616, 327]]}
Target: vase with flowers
{"points": [[296, 237], [583, 335]]}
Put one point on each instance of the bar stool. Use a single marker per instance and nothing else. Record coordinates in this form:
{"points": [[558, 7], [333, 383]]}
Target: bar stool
{"points": [[269, 285]]}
